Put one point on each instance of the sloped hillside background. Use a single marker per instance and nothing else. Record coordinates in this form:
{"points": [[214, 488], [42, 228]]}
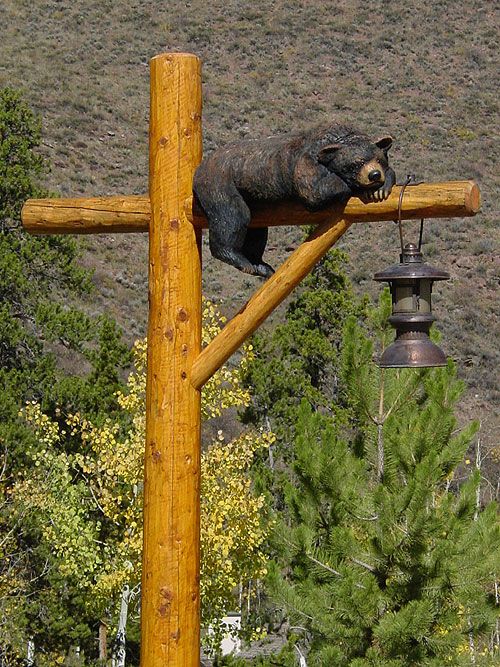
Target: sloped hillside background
{"points": [[426, 72]]}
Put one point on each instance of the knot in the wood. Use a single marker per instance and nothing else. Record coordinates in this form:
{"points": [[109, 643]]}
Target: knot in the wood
{"points": [[167, 597], [183, 315]]}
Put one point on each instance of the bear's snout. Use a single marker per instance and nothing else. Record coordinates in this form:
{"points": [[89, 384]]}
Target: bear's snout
{"points": [[375, 176], [371, 174]]}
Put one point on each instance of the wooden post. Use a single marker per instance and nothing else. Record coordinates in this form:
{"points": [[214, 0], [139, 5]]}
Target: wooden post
{"points": [[170, 626]]}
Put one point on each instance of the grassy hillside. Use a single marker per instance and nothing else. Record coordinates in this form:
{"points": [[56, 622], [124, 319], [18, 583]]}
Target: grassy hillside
{"points": [[424, 72]]}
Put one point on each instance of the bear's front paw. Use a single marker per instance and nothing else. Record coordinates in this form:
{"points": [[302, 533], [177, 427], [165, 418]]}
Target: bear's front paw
{"points": [[367, 197], [374, 196], [381, 194]]}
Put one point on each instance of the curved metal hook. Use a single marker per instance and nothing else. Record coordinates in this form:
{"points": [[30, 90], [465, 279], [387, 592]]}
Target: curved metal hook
{"points": [[410, 180]]}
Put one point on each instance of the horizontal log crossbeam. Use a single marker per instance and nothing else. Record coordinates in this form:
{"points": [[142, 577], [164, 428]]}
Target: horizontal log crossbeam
{"points": [[109, 215], [133, 214]]}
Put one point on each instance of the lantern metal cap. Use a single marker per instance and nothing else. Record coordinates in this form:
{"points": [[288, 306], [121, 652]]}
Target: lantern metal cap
{"points": [[411, 267]]}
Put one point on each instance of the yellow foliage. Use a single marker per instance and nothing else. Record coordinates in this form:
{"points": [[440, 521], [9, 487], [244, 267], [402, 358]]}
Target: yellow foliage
{"points": [[101, 485], [232, 532]]}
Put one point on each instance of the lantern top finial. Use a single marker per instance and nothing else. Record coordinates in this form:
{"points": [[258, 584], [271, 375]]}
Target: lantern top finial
{"points": [[411, 253]]}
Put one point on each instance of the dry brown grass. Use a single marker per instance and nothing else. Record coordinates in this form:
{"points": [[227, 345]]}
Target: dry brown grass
{"points": [[425, 72]]}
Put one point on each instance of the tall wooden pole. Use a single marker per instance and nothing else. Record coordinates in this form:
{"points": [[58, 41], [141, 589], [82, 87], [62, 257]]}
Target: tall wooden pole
{"points": [[170, 628]]}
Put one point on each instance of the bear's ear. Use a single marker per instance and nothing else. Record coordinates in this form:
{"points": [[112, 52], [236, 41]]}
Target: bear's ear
{"points": [[384, 143], [327, 153]]}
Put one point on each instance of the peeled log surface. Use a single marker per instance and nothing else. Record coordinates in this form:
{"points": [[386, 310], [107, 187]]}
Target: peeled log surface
{"points": [[132, 213], [170, 601], [95, 215]]}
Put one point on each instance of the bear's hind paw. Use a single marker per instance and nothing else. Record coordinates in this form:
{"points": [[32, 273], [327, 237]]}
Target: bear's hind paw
{"points": [[264, 270]]}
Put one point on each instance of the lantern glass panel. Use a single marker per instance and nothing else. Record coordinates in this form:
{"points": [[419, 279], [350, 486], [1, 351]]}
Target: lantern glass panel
{"points": [[424, 296], [404, 298]]}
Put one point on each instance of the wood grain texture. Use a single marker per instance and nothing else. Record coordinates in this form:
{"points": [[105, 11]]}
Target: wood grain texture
{"points": [[265, 300], [170, 607], [132, 213], [93, 215]]}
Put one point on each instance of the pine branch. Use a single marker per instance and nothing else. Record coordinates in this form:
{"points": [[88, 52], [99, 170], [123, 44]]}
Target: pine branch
{"points": [[375, 517], [402, 394], [323, 565], [370, 568], [380, 434], [329, 569]]}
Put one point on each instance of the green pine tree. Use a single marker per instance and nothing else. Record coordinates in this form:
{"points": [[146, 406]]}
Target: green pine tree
{"points": [[299, 359], [385, 558], [39, 275], [39, 278]]}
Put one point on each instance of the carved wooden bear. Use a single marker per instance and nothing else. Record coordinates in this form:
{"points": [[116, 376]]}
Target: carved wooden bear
{"points": [[319, 167]]}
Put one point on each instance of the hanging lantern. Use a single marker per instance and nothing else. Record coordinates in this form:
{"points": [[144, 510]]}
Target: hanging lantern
{"points": [[410, 283]]}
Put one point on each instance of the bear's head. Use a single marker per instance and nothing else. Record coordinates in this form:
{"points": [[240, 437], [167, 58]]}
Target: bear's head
{"points": [[361, 163]]}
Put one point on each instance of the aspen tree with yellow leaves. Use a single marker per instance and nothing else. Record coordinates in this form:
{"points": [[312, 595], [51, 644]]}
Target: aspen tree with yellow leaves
{"points": [[89, 502]]}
